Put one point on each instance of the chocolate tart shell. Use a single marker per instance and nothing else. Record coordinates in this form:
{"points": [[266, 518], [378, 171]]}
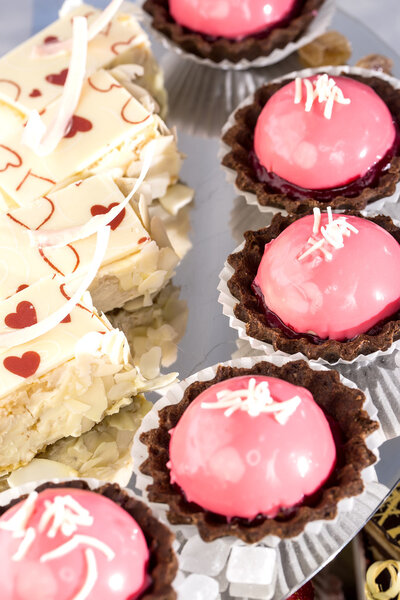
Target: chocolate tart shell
{"points": [[343, 404], [221, 49], [245, 264], [163, 563], [240, 139]]}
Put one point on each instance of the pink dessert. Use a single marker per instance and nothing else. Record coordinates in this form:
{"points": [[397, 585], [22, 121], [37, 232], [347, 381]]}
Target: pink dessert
{"points": [[69, 544], [320, 133], [232, 19], [333, 277], [232, 457]]}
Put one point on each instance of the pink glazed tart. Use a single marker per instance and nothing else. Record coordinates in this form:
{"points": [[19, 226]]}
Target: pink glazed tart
{"points": [[318, 140], [258, 451], [232, 30], [64, 543], [325, 285]]}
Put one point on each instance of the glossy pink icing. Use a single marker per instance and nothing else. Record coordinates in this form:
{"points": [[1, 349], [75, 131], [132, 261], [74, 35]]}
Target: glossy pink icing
{"points": [[242, 465], [123, 577], [314, 152], [338, 298], [232, 19]]}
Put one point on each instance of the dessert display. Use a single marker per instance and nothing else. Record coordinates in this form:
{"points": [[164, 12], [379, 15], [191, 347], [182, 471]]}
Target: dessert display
{"points": [[297, 289], [289, 423], [293, 148], [330, 48], [68, 541], [232, 31]]}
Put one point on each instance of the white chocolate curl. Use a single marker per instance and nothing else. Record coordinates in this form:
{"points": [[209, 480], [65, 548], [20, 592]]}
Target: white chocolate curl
{"points": [[324, 88], [98, 25], [332, 234], [41, 140], [255, 400]]}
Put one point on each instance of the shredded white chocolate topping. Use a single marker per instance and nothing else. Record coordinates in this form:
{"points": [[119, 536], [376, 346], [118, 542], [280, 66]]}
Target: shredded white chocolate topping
{"points": [[332, 234], [255, 400], [324, 88]]}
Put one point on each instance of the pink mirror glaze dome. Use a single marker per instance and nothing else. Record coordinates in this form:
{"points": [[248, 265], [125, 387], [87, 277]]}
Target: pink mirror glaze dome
{"points": [[336, 295], [242, 465], [113, 547], [232, 19], [315, 152]]}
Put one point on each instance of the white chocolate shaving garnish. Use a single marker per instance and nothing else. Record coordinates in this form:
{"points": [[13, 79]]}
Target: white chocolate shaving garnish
{"points": [[324, 89], [22, 336], [24, 546], [67, 516], [62, 237], [254, 400], [91, 576], [332, 234], [18, 522], [98, 24], [74, 543], [35, 136]]}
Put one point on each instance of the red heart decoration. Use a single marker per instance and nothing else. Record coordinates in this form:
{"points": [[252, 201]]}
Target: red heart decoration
{"points": [[9, 158], [21, 287], [78, 124], [25, 316], [58, 78], [66, 319], [23, 366], [98, 209], [51, 39], [35, 93]]}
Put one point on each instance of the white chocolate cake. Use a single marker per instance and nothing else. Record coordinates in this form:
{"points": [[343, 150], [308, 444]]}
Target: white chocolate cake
{"points": [[89, 174], [134, 265], [62, 382]]}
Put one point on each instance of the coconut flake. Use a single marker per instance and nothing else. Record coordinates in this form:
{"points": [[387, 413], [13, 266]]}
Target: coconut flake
{"points": [[62, 237], [255, 400], [332, 234], [94, 29], [9, 339], [74, 543], [44, 140], [325, 89], [91, 576]]}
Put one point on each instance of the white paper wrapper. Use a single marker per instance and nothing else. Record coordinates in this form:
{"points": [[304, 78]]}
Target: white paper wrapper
{"points": [[297, 558], [251, 198], [317, 27], [229, 302]]}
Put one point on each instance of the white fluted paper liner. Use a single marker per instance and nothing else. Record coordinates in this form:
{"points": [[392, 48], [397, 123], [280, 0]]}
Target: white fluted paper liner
{"points": [[229, 302], [297, 558], [230, 174], [317, 27]]}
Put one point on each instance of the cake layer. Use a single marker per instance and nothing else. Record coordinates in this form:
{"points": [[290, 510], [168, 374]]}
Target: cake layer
{"points": [[64, 381], [134, 264]]}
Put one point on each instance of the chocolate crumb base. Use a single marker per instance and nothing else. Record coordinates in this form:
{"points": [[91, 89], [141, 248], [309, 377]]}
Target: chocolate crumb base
{"points": [[341, 403], [163, 564], [240, 138], [245, 264], [221, 49]]}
